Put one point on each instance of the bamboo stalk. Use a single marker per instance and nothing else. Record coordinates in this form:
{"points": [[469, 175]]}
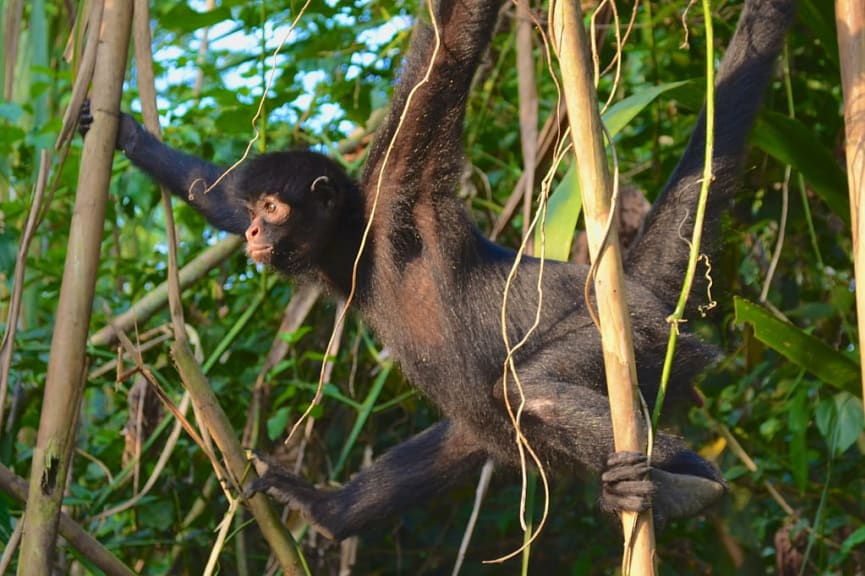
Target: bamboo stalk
{"points": [[207, 406], [66, 366], [571, 47], [528, 96], [850, 23], [87, 545], [146, 86]]}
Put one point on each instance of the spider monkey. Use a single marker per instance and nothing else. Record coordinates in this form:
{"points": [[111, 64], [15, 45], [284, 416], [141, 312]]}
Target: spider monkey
{"points": [[431, 285]]}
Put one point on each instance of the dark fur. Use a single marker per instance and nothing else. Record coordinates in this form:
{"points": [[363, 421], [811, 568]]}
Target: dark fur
{"points": [[431, 285]]}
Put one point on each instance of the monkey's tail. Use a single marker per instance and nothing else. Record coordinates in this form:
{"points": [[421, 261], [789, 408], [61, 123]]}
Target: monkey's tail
{"points": [[659, 258]]}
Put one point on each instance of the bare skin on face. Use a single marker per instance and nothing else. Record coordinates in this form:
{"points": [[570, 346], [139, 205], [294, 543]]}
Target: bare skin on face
{"points": [[267, 211]]}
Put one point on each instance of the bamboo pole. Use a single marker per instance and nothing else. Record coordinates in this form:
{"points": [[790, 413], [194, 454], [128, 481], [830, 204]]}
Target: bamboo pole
{"points": [[208, 407], [850, 23], [87, 545], [206, 404], [66, 366], [571, 47]]}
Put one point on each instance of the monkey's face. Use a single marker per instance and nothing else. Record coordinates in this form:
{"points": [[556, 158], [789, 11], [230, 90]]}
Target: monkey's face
{"points": [[269, 218], [288, 230]]}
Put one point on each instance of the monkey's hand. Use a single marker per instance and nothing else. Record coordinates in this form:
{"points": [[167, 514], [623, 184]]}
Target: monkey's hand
{"points": [[688, 486], [128, 128], [85, 119], [286, 487]]}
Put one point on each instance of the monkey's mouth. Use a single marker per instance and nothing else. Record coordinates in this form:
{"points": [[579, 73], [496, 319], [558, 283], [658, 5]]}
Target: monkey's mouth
{"points": [[261, 253]]}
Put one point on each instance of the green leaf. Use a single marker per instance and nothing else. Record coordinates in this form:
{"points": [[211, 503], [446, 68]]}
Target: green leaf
{"points": [[825, 419], [278, 423], [804, 350], [563, 211], [151, 513], [840, 421], [10, 111], [793, 143], [851, 420], [566, 202], [853, 540], [797, 421], [295, 337], [622, 112]]}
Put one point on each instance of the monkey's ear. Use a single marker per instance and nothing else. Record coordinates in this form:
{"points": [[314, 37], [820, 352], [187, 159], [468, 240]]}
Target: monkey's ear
{"points": [[324, 192]]}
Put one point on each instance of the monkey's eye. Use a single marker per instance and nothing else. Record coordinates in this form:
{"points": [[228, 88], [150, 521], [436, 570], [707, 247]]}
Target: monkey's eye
{"points": [[272, 209]]}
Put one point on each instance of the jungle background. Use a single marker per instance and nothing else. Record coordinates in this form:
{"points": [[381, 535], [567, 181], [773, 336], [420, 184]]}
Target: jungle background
{"points": [[779, 412]]}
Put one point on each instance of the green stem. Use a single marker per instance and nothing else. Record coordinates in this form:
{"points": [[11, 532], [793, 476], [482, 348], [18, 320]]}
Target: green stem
{"points": [[697, 234], [362, 416]]}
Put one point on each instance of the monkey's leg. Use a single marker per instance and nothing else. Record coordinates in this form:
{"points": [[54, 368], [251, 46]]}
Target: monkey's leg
{"points": [[574, 422], [415, 470]]}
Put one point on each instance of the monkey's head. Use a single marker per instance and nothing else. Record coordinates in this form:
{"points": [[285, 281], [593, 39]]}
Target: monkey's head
{"points": [[297, 203]]}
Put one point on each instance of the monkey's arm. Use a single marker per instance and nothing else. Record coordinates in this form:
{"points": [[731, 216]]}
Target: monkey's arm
{"points": [[411, 472], [186, 176], [426, 158]]}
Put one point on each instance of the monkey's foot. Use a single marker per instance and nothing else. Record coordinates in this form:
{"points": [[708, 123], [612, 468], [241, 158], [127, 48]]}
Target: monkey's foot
{"points": [[626, 485], [688, 487]]}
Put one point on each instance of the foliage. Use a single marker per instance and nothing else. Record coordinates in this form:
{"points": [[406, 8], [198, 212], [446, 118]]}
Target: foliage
{"points": [[787, 435]]}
